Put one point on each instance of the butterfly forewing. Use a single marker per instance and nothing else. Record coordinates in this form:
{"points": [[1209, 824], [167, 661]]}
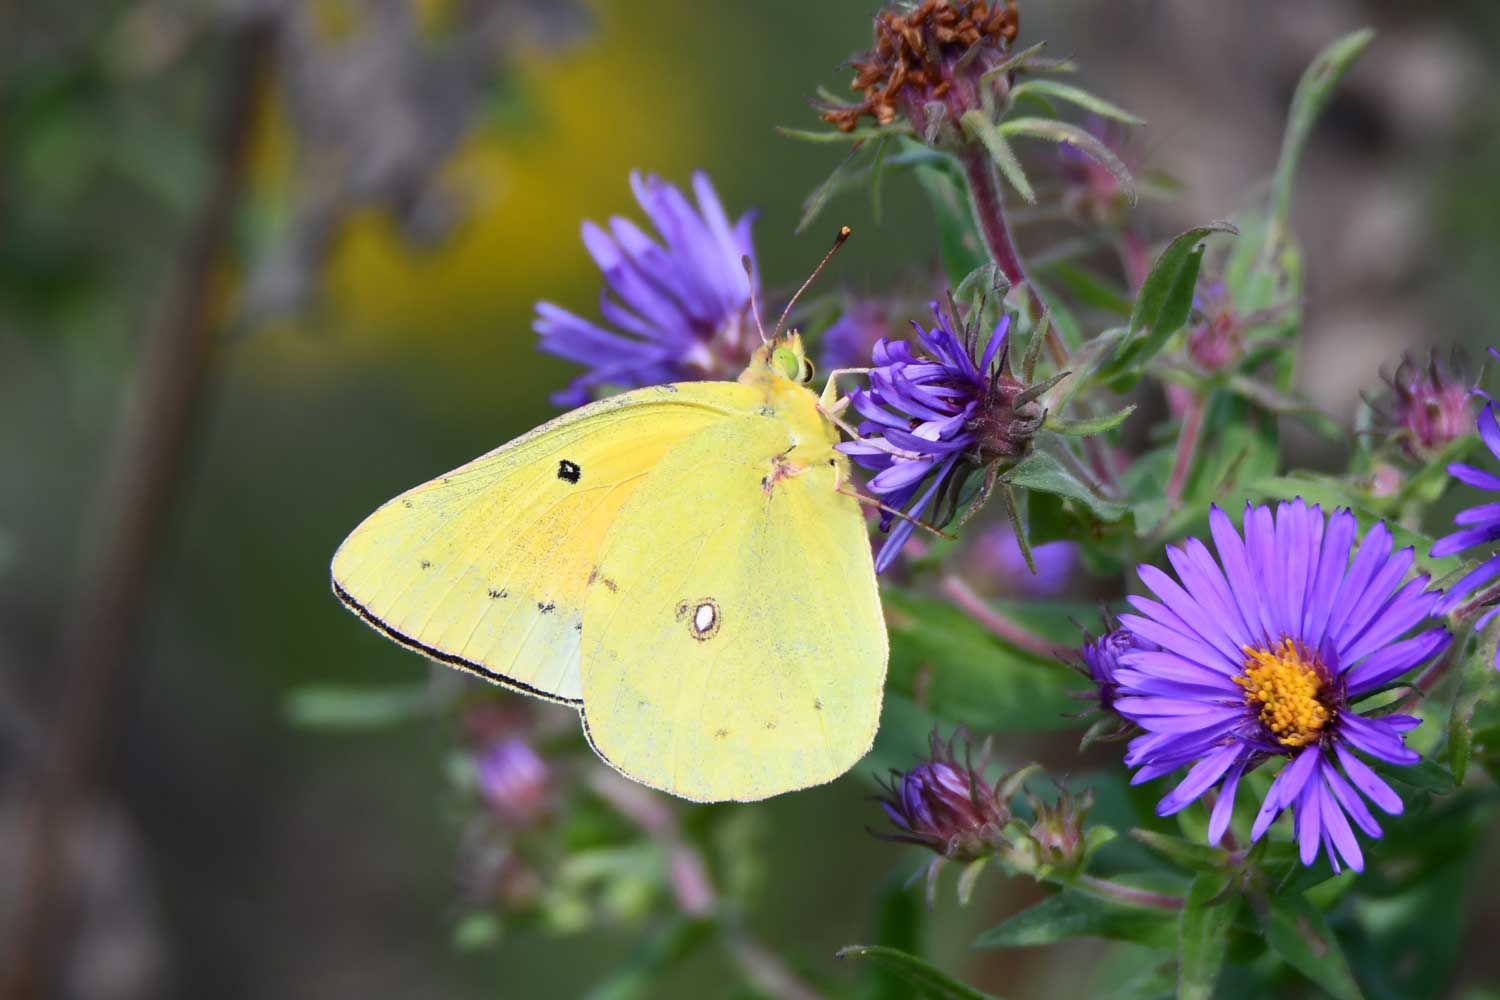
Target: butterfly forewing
{"points": [[485, 568]]}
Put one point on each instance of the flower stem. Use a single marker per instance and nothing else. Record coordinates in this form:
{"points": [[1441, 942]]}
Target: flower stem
{"points": [[152, 445], [1187, 446], [987, 202], [1128, 894], [957, 589]]}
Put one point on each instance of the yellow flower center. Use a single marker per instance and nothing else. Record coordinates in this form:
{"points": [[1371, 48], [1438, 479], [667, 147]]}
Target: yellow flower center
{"points": [[1285, 682]]}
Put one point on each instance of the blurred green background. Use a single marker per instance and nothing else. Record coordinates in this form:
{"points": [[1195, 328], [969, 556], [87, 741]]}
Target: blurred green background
{"points": [[242, 856]]}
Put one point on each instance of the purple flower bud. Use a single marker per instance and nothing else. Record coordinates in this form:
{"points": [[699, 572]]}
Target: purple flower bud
{"points": [[1101, 661], [513, 781], [945, 805], [929, 64], [1427, 406], [1058, 830], [1213, 341]]}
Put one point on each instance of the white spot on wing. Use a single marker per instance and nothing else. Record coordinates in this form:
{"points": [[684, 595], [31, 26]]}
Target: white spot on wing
{"points": [[703, 617]]}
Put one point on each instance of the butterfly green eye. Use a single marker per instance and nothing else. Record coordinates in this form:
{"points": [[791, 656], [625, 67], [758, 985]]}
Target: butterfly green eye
{"points": [[786, 363]]}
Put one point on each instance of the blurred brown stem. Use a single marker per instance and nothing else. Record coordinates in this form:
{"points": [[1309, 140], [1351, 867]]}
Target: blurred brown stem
{"points": [[691, 885], [128, 520], [1187, 447], [957, 589]]}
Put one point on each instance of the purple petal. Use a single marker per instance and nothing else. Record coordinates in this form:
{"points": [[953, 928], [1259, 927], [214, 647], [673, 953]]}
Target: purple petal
{"points": [[1367, 781]]}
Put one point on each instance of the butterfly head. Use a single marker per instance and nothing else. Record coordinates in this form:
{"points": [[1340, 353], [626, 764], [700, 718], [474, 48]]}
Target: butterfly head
{"points": [[782, 357]]}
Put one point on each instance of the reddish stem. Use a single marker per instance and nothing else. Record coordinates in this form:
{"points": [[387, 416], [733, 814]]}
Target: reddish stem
{"points": [[958, 590], [1187, 446]]}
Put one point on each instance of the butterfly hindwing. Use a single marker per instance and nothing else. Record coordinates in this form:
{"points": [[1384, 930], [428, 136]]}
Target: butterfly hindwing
{"points": [[733, 642], [485, 568]]}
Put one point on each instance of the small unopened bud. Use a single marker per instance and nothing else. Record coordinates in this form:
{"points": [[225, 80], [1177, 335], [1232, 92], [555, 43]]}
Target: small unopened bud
{"points": [[1426, 406], [946, 805]]}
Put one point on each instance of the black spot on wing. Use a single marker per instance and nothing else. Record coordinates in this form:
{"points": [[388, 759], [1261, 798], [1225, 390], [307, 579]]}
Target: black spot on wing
{"points": [[569, 472], [426, 564], [496, 595], [546, 607]]}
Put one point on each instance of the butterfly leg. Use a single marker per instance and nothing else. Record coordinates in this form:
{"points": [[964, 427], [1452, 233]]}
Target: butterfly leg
{"points": [[839, 487], [830, 398], [854, 435]]}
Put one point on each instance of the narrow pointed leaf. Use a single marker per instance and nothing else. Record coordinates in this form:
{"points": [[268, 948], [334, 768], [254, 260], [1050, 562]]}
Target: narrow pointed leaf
{"points": [[1165, 300], [1078, 96], [1072, 914], [1299, 934], [1089, 425], [1042, 472], [979, 125], [1084, 141], [1206, 919]]}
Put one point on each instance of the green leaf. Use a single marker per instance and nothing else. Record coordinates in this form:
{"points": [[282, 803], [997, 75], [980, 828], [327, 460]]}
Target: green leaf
{"points": [[1090, 289], [927, 979], [1041, 471], [1077, 96], [1084, 141], [950, 664], [1186, 854], [1314, 92], [1478, 682], [898, 925], [359, 707], [977, 123], [1206, 919], [857, 135], [1300, 934], [1166, 297], [1072, 914], [1089, 425], [1087, 361]]}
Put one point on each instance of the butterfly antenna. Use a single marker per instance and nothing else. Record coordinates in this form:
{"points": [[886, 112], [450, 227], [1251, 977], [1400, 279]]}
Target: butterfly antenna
{"points": [[754, 309], [838, 241]]}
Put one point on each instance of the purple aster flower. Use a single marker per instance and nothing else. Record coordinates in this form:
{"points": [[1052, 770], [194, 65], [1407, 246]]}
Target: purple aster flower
{"points": [[678, 309], [1480, 526], [931, 419], [1265, 653]]}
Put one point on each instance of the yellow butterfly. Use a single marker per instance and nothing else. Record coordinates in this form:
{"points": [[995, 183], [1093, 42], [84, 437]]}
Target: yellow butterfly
{"points": [[678, 562]]}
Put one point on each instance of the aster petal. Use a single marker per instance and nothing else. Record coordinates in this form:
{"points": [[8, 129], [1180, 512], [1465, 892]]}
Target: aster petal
{"points": [[1466, 539], [1352, 804], [1403, 612], [1193, 614], [1470, 476], [1367, 781], [1372, 554], [1482, 514], [1333, 560], [1376, 739], [1170, 633], [1169, 666], [1489, 431], [1470, 582], [1237, 568], [1198, 780], [1395, 660], [1293, 537], [1203, 579], [1260, 549], [1336, 827], [901, 530], [1308, 819], [1285, 789], [1223, 812], [1364, 611]]}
